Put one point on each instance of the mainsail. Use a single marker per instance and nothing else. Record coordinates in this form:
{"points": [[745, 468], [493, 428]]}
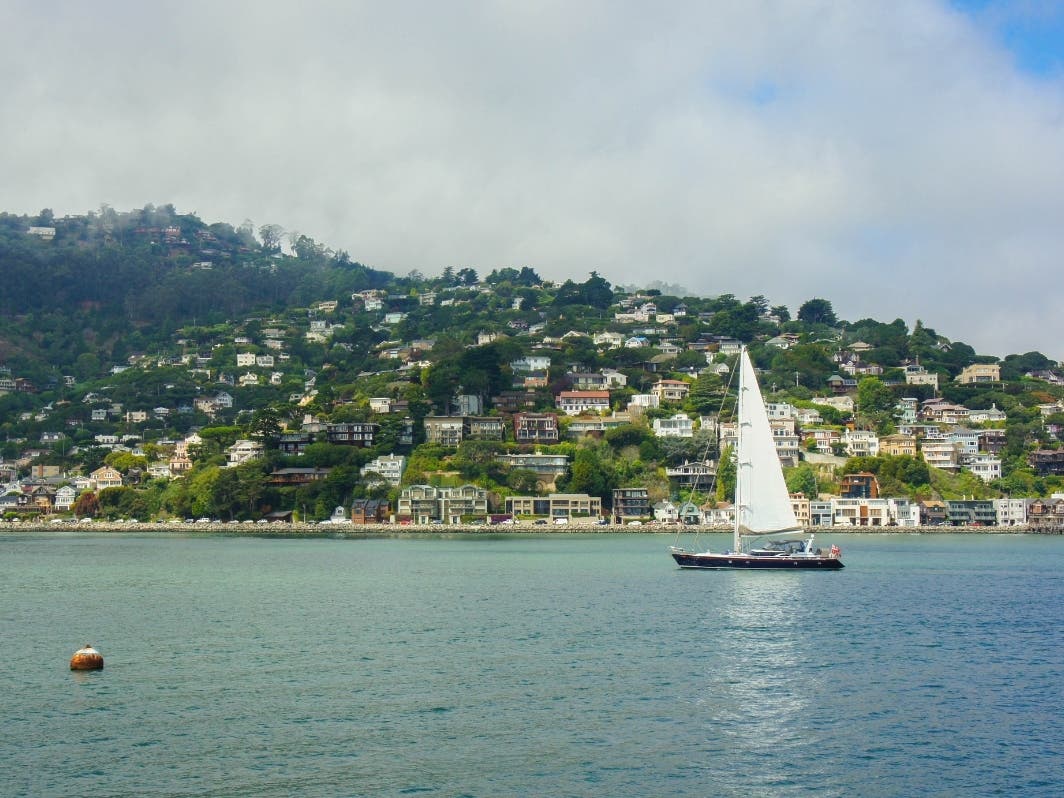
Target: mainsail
{"points": [[762, 503]]}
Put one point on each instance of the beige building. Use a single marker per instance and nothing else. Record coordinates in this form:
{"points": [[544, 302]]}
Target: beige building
{"points": [[898, 445], [980, 373]]}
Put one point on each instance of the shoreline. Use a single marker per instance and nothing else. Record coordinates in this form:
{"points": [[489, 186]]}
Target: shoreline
{"points": [[400, 530]]}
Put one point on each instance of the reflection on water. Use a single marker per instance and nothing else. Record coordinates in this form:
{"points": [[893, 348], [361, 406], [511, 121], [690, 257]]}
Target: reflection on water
{"points": [[757, 689]]}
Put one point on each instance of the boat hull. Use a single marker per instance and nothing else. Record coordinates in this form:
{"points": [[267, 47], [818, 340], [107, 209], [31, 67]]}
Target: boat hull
{"points": [[712, 561]]}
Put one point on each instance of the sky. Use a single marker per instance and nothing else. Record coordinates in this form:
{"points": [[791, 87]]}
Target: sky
{"points": [[902, 159]]}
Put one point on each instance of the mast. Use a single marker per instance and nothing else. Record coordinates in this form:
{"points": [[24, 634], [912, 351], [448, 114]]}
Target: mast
{"points": [[737, 538]]}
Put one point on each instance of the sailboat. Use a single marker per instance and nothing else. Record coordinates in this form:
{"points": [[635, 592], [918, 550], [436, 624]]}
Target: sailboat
{"points": [[766, 533]]}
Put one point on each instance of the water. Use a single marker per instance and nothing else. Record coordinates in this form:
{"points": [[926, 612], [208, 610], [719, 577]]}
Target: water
{"points": [[555, 665]]}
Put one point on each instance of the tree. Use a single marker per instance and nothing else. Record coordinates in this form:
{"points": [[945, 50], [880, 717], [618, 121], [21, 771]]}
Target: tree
{"points": [[802, 479], [817, 311], [87, 505], [271, 235]]}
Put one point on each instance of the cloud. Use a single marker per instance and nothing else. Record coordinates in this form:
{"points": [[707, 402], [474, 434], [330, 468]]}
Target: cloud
{"points": [[889, 157]]}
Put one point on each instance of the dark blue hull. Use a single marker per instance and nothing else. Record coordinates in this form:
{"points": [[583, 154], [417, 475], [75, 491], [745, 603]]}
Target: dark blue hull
{"points": [[710, 561]]}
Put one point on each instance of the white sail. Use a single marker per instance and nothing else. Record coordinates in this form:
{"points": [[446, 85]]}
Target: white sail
{"points": [[763, 505]]}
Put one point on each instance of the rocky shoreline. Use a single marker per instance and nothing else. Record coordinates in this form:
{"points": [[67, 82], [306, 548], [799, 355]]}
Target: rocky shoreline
{"points": [[520, 527]]}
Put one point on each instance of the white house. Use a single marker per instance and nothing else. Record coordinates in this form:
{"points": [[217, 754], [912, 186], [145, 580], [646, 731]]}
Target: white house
{"points": [[679, 426]]}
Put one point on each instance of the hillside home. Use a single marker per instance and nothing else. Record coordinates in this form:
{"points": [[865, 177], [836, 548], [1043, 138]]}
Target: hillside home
{"points": [[243, 451], [823, 438], [575, 403], [608, 340], [290, 477], [388, 467], [941, 454], [671, 390], [942, 412], [530, 363], [533, 428], [980, 373], [985, 466], [862, 485], [990, 415], [1047, 461], [546, 466], [106, 477], [699, 476], [352, 433], [679, 426], [597, 424], [898, 444], [844, 404], [860, 443], [514, 401]]}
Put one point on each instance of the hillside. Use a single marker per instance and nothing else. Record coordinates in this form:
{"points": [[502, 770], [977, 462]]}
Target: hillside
{"points": [[121, 334]]}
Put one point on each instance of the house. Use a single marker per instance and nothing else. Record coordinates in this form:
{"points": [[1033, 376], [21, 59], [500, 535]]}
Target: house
{"points": [[445, 430], [985, 466], [1011, 512], [631, 504], [666, 512], [979, 373], [514, 401], [485, 428], [898, 444], [698, 476], [860, 442], [369, 511], [608, 340], [381, 404], [352, 433], [388, 467], [932, 512], [941, 454], [971, 512], [555, 505], [587, 381], [575, 403], [1047, 461], [597, 425], [991, 415], [548, 467], [64, 498], [43, 233], [679, 426], [243, 451], [643, 401], [670, 390], [106, 477], [863, 485], [536, 428], [1046, 515], [424, 504], [530, 363], [288, 477]]}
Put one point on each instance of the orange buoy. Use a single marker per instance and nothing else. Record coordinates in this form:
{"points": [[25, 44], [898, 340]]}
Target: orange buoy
{"points": [[86, 659]]}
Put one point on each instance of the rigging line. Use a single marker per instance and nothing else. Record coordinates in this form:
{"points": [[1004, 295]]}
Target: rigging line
{"points": [[713, 443]]}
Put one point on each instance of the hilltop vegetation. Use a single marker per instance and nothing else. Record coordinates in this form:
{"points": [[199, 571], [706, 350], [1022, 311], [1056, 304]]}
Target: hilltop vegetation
{"points": [[119, 324]]}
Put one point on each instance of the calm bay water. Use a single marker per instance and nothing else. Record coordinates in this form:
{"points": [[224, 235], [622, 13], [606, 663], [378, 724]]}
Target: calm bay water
{"points": [[554, 665]]}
